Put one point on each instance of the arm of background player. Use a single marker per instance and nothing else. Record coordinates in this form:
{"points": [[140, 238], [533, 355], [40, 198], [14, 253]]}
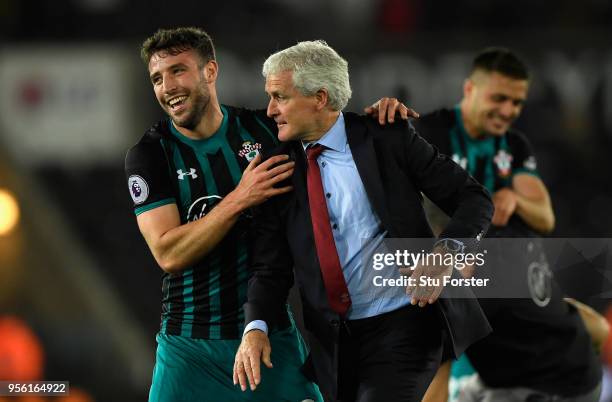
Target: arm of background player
{"points": [[597, 326], [176, 246], [528, 198], [438, 388]]}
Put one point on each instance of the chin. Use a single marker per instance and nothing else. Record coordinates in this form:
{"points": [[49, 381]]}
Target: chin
{"points": [[284, 136], [498, 132], [185, 120]]}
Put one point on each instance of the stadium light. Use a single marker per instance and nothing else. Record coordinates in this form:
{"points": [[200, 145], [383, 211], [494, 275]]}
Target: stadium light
{"points": [[9, 212]]}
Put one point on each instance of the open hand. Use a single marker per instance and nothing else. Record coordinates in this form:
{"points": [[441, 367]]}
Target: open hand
{"points": [[254, 349]]}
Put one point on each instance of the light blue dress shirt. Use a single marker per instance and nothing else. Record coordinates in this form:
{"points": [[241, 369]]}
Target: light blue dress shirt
{"points": [[357, 230]]}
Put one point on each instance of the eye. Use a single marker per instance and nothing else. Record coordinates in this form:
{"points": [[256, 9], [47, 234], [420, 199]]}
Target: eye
{"points": [[156, 80], [498, 98]]}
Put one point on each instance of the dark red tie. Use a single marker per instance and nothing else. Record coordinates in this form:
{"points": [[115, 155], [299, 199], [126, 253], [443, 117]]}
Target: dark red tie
{"points": [[331, 270]]}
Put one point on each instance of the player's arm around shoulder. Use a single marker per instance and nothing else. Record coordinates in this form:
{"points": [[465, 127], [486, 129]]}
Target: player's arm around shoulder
{"points": [[176, 245]]}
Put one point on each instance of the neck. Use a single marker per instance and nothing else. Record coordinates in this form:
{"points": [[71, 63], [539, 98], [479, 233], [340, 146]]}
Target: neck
{"points": [[322, 125], [470, 128], [209, 123]]}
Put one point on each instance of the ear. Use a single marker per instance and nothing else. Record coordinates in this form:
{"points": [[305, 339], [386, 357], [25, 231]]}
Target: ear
{"points": [[211, 69], [321, 97], [468, 87]]}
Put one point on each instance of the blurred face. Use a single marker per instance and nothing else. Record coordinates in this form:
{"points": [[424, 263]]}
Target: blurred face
{"points": [[493, 102], [295, 114], [181, 86]]}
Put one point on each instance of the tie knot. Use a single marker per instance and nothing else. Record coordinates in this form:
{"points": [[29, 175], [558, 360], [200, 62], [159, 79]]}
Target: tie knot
{"points": [[313, 151]]}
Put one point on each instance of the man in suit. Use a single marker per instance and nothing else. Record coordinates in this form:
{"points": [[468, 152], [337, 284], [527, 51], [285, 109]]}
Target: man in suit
{"points": [[355, 184]]}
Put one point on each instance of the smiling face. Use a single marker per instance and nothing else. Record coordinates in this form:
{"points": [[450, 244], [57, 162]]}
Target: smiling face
{"points": [[492, 102], [296, 115], [181, 85]]}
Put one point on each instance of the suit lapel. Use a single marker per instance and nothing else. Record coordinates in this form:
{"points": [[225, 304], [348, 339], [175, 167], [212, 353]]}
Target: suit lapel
{"points": [[362, 148]]}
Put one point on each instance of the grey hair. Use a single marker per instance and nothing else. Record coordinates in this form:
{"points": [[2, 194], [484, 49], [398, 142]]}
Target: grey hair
{"points": [[315, 66]]}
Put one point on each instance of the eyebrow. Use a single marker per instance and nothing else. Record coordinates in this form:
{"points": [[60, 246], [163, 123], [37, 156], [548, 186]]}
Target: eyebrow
{"points": [[157, 73], [501, 95]]}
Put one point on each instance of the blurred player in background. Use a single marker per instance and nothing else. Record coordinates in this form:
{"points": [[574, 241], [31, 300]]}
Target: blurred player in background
{"points": [[540, 348], [193, 178]]}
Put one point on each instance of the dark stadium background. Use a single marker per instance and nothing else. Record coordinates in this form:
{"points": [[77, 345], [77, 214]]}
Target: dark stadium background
{"points": [[74, 96]]}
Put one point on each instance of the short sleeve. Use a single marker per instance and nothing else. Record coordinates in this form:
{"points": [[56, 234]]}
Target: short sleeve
{"points": [[524, 160], [148, 178]]}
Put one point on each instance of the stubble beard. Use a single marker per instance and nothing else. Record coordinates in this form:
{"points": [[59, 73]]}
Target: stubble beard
{"points": [[193, 116]]}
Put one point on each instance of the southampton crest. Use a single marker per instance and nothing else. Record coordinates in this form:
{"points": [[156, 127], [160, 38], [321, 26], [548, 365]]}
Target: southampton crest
{"points": [[503, 161], [249, 150]]}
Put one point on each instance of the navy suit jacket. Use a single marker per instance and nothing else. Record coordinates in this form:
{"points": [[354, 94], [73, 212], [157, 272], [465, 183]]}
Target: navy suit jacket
{"points": [[395, 165]]}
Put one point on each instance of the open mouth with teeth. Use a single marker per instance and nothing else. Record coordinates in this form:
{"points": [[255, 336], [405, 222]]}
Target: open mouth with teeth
{"points": [[177, 102]]}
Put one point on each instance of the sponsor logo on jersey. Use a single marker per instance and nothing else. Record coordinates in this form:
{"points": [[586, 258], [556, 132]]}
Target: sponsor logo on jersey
{"points": [[503, 161], [249, 150], [201, 207], [539, 280], [460, 161], [192, 173], [139, 189]]}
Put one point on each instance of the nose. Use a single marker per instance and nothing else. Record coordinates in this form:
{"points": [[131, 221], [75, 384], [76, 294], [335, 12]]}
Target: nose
{"points": [[509, 110], [272, 108], [169, 84]]}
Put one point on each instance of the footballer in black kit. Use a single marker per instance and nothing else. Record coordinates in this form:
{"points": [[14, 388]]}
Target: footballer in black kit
{"points": [[205, 300], [539, 347], [539, 343]]}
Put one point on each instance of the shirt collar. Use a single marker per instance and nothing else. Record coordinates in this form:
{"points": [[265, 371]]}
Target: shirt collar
{"points": [[334, 138]]}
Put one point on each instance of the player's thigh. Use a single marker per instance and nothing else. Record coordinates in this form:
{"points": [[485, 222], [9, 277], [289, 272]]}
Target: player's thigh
{"points": [[285, 381], [194, 369]]}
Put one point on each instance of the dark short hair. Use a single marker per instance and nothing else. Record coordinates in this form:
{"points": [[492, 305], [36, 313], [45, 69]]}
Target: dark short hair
{"points": [[178, 40], [501, 60]]}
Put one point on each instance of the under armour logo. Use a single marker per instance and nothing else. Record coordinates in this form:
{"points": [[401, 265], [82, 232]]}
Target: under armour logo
{"points": [[192, 173]]}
